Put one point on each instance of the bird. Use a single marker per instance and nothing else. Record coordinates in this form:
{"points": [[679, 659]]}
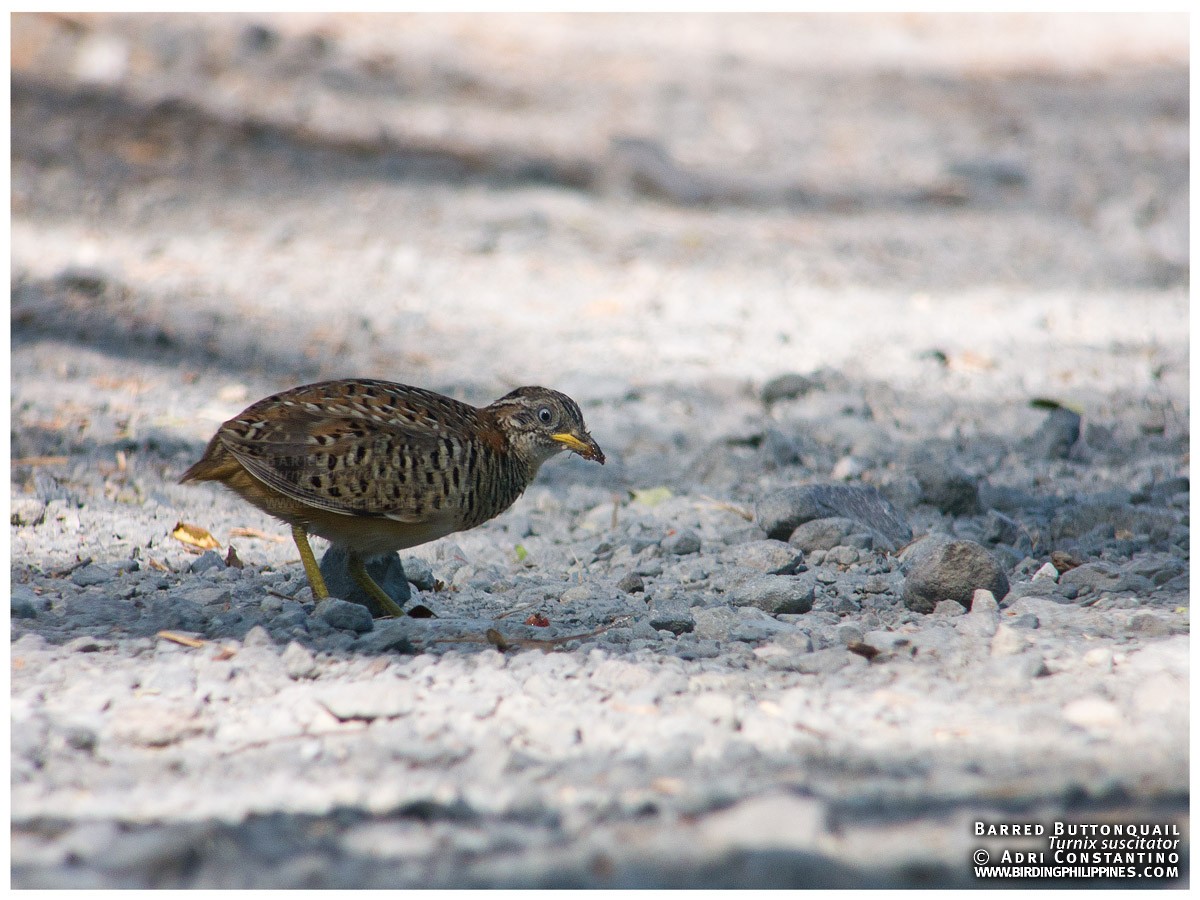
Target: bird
{"points": [[375, 466]]}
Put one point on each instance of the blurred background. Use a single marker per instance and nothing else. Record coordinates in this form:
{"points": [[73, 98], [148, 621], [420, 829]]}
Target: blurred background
{"points": [[672, 208]]}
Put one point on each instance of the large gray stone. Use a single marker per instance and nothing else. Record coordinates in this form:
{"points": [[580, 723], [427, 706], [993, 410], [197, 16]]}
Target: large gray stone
{"points": [[779, 514], [776, 594], [941, 568]]}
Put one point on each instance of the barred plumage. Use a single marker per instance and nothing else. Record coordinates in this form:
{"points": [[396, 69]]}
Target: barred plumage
{"points": [[376, 466]]}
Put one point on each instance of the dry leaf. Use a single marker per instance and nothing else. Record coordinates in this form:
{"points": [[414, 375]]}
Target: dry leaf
{"points": [[194, 536], [537, 620]]}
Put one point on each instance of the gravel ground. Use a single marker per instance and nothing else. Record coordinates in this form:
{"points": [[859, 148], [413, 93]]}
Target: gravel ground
{"points": [[881, 321]]}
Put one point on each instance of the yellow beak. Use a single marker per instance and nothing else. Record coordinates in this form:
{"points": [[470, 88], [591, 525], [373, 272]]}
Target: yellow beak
{"points": [[588, 448]]}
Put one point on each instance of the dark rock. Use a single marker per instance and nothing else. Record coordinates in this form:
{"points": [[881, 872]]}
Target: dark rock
{"points": [[80, 737], [781, 449], [1000, 529], [632, 583], [786, 387], [1056, 435], [776, 593], [386, 571], [947, 487], [1028, 620], [344, 615], [1159, 492], [175, 614], [209, 559], [780, 513], [940, 568], [92, 574], [23, 604], [682, 543], [672, 616]]}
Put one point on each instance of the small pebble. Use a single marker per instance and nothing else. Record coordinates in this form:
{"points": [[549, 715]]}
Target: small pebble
{"points": [[631, 583], [682, 543]]}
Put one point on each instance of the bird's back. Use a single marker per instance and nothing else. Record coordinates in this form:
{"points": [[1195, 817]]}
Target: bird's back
{"points": [[366, 449]]}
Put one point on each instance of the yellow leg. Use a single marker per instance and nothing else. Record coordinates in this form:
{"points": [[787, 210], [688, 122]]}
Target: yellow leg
{"points": [[311, 569], [358, 572]]}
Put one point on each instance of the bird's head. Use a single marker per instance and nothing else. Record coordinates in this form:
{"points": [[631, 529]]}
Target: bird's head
{"points": [[540, 422]]}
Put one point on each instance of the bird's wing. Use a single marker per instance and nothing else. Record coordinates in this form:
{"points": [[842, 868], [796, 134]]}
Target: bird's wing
{"points": [[349, 465]]}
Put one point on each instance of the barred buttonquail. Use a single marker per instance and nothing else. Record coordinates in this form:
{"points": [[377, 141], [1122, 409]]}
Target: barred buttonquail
{"points": [[376, 467]]}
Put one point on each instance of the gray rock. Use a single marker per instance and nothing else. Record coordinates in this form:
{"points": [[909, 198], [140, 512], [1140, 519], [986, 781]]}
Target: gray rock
{"points": [[750, 625], [209, 559], [822, 662], [674, 616], [1104, 577], [848, 634], [1056, 435], [632, 583], [92, 574], [344, 615], [946, 486], [682, 543], [207, 596], [175, 614], [386, 571], [842, 556], [780, 513], [388, 636], [825, 534], [1000, 529], [941, 568], [80, 737], [984, 618], [786, 387], [769, 557], [781, 449], [1042, 587], [299, 661], [948, 609], [419, 573], [776, 593], [23, 603]]}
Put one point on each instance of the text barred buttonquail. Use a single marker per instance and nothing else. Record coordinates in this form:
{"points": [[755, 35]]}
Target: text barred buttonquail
{"points": [[376, 467]]}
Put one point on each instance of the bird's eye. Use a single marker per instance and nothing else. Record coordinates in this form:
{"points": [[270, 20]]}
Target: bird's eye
{"points": [[545, 415]]}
